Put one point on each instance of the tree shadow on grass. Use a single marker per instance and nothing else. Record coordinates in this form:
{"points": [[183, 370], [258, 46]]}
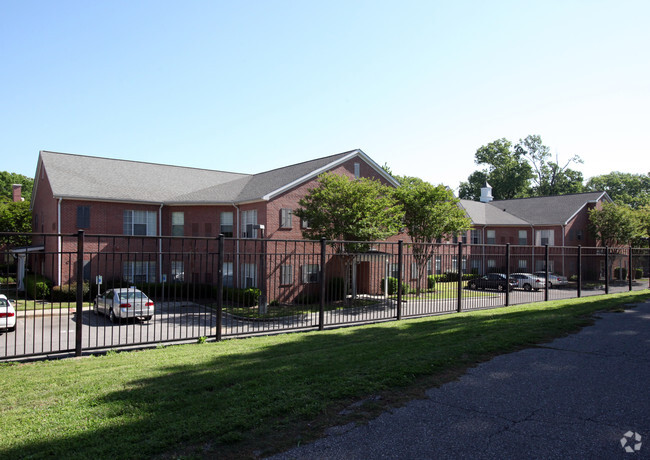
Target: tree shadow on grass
{"points": [[241, 396]]}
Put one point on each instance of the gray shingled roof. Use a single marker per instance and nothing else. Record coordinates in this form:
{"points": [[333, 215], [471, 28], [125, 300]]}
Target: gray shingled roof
{"points": [[546, 210], [94, 178]]}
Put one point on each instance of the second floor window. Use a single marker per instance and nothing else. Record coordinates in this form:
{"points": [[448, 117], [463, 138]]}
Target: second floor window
{"points": [[141, 223], [83, 217], [544, 237], [491, 237], [178, 223], [286, 216], [523, 237], [248, 223], [226, 223]]}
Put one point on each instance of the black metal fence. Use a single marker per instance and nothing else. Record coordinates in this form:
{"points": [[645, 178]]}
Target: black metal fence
{"points": [[212, 288]]}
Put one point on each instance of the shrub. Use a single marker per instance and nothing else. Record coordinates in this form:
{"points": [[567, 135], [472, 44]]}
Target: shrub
{"points": [[68, 293], [638, 273], [37, 287], [244, 297], [573, 278], [306, 298], [451, 276], [620, 273], [431, 282], [392, 286]]}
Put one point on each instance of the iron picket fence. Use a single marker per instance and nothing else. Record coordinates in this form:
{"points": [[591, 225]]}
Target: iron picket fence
{"points": [[215, 288]]}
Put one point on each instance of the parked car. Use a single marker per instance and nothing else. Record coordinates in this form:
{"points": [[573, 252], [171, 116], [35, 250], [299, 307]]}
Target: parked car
{"points": [[7, 314], [554, 279], [528, 281], [496, 281], [124, 303]]}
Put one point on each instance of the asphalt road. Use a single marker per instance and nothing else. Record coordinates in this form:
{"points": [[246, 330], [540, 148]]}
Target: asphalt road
{"points": [[582, 396]]}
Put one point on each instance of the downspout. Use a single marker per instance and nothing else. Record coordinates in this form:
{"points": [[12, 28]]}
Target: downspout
{"points": [[532, 250], [59, 244], [235, 267], [563, 244], [160, 243]]}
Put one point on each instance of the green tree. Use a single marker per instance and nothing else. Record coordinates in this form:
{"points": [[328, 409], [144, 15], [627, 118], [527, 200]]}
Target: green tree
{"points": [[430, 212], [15, 217], [505, 169], [628, 189], [549, 177], [614, 224], [7, 180], [348, 212]]}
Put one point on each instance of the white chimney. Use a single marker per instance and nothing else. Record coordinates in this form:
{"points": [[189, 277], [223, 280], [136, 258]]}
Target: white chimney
{"points": [[486, 193]]}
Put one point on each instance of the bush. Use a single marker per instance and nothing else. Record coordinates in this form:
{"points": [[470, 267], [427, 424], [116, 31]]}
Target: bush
{"points": [[392, 286], [306, 299], [431, 282], [620, 273], [573, 278], [638, 273], [451, 276], [37, 287], [68, 293], [244, 297]]}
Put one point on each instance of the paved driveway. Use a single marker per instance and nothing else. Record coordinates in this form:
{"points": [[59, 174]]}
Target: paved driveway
{"points": [[576, 397]]}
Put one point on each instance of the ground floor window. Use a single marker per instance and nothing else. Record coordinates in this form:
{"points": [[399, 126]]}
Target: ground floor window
{"points": [[139, 272]]}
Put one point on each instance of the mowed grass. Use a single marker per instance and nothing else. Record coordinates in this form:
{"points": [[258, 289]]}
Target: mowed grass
{"points": [[242, 398]]}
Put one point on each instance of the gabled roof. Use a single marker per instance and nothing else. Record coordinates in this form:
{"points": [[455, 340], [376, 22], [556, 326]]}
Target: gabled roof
{"points": [[104, 179], [546, 210]]}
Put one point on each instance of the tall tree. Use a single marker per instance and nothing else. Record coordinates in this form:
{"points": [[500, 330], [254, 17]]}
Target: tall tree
{"points": [[15, 217], [623, 188], [430, 212], [505, 169], [549, 177], [7, 179], [614, 224]]}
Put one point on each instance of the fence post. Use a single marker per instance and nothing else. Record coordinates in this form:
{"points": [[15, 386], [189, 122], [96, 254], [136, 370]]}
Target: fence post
{"points": [[629, 268], [323, 285], [459, 293], [606, 269], [507, 274], [546, 272], [219, 286], [579, 270], [80, 293], [400, 254]]}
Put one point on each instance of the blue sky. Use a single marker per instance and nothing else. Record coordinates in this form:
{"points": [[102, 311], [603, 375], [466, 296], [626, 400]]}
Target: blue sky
{"points": [[248, 86]]}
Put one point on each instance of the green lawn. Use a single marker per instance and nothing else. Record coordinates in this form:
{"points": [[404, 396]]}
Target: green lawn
{"points": [[239, 397]]}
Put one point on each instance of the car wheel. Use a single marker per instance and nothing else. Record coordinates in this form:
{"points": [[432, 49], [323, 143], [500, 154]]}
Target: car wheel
{"points": [[112, 316], [147, 318], [472, 286], [550, 285], [95, 309], [12, 329], [500, 287], [527, 287]]}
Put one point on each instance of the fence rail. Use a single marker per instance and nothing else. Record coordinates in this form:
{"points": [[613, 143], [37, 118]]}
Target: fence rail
{"points": [[216, 288]]}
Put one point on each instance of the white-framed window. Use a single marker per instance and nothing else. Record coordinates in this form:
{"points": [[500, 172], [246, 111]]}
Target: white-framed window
{"points": [[249, 275], [286, 274], [522, 264], [178, 271], [476, 237], [491, 237], [454, 264], [429, 267], [178, 223], [438, 265], [139, 223], [491, 263], [228, 280], [394, 271], [523, 237], [304, 223], [248, 223], [310, 273], [226, 223], [83, 217], [414, 271], [539, 266], [464, 263], [139, 271], [544, 237], [357, 170], [286, 217], [476, 265]]}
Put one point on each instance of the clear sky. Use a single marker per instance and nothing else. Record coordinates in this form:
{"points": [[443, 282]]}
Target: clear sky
{"points": [[249, 86]]}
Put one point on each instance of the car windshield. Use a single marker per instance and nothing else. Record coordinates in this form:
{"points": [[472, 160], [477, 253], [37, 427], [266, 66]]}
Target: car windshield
{"points": [[137, 295]]}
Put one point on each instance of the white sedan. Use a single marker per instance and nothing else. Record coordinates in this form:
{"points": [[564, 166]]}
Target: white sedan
{"points": [[124, 303], [528, 281], [554, 279], [7, 314]]}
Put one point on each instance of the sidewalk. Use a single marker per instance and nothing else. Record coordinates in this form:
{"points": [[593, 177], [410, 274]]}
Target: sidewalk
{"points": [[576, 397]]}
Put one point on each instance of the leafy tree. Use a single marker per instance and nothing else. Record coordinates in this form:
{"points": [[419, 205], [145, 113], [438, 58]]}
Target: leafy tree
{"points": [[506, 170], [614, 224], [15, 217], [340, 208], [348, 212], [430, 212], [7, 180], [549, 178], [628, 189]]}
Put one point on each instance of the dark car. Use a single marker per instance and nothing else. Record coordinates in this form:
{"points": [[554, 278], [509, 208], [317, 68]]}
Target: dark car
{"points": [[496, 281]]}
